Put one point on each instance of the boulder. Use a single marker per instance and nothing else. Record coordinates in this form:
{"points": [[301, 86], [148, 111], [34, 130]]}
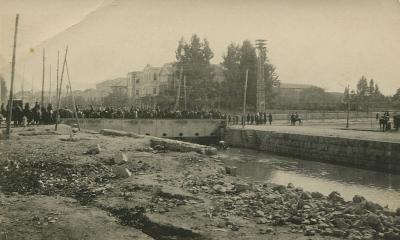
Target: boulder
{"points": [[305, 195], [336, 197], [122, 172], [358, 199], [94, 149], [231, 170], [317, 195], [120, 158]]}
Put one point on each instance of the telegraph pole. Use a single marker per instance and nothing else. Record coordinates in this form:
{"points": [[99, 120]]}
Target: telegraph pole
{"points": [[260, 92], [348, 106], [50, 84], [73, 98], [184, 89], [58, 64], [10, 101], [42, 97], [244, 98]]}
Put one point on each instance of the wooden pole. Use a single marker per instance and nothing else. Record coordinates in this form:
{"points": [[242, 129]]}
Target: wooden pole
{"points": [[58, 65], [42, 97], [59, 93], [10, 101], [50, 84], [244, 98], [184, 89], [73, 98], [348, 106]]}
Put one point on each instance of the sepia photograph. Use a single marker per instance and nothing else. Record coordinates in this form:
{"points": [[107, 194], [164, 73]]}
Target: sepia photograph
{"points": [[199, 119]]}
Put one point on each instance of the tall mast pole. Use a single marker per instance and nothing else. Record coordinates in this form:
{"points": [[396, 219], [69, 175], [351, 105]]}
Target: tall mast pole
{"points": [[184, 89], [59, 93], [58, 64], [50, 84], [244, 97], [73, 98], [10, 102], [42, 97]]}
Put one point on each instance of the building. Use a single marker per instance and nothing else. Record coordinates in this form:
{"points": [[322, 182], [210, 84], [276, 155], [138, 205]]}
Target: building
{"points": [[293, 90]]}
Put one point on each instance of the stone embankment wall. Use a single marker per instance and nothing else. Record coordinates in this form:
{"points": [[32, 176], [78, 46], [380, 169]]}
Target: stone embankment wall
{"points": [[375, 155], [170, 128]]}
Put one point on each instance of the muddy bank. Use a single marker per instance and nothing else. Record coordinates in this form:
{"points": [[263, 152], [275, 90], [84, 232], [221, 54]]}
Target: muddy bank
{"points": [[162, 193]]}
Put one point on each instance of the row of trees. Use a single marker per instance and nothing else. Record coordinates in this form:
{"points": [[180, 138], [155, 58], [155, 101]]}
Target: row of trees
{"points": [[193, 59], [367, 97]]}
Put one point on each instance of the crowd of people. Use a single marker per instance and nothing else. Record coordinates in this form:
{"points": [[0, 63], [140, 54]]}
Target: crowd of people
{"points": [[25, 115]]}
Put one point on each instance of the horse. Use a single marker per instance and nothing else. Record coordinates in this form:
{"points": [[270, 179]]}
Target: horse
{"points": [[295, 119], [383, 122]]}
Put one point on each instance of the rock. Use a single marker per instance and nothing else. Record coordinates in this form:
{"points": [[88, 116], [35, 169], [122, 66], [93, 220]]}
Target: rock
{"points": [[241, 186], [234, 227], [358, 199], [262, 221], [290, 185], [280, 188], [317, 195], [266, 230], [398, 211], [391, 236], [231, 170], [120, 158], [309, 232], [338, 233], [259, 213], [122, 172], [336, 197], [340, 223], [373, 207], [373, 221], [94, 149], [219, 188], [296, 219], [305, 195]]}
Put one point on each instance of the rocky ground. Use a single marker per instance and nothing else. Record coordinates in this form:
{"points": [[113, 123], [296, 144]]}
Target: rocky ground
{"points": [[61, 185]]}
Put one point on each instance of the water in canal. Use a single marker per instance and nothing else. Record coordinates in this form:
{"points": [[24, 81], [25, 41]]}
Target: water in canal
{"points": [[382, 188]]}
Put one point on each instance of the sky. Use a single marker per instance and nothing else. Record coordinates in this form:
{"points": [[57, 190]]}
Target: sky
{"points": [[325, 43]]}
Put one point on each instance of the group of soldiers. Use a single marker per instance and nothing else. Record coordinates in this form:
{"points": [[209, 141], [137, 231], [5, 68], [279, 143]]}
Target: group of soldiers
{"points": [[25, 115], [384, 121], [258, 118]]}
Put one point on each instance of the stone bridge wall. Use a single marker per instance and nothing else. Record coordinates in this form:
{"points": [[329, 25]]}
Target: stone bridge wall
{"points": [[375, 155]]}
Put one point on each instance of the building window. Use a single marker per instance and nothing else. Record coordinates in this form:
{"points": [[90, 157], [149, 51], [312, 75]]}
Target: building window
{"points": [[137, 81], [137, 92], [154, 90], [155, 77]]}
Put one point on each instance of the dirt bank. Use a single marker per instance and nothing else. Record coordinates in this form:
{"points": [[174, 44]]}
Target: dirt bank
{"points": [[52, 187]]}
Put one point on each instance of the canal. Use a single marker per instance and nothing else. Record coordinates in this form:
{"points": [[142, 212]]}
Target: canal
{"points": [[379, 187]]}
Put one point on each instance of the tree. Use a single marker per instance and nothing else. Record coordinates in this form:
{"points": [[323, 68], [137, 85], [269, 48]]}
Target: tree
{"points": [[194, 57], [3, 89], [396, 99], [236, 61]]}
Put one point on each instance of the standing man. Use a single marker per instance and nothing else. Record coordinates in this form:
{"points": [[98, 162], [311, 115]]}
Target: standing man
{"points": [[270, 118]]}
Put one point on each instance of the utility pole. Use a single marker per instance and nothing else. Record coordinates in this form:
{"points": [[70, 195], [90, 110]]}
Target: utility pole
{"points": [[348, 106], [184, 89], [58, 64], [244, 97], [260, 92], [22, 84], [10, 101], [59, 93], [42, 97], [50, 84]]}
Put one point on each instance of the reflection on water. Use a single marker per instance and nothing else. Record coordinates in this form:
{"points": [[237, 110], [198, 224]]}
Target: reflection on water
{"points": [[382, 188]]}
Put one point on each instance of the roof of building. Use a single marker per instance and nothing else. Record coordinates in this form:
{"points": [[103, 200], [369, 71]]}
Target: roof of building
{"points": [[112, 82]]}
